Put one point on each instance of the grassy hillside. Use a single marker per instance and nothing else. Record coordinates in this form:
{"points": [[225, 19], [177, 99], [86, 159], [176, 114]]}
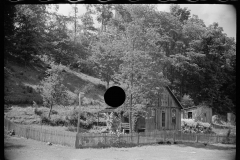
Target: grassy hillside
{"points": [[20, 84]]}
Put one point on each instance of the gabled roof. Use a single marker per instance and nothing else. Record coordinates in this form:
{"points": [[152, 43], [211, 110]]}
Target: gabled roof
{"points": [[174, 97]]}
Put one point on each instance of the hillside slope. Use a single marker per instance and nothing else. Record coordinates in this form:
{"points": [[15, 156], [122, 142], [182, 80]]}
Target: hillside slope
{"points": [[20, 84]]}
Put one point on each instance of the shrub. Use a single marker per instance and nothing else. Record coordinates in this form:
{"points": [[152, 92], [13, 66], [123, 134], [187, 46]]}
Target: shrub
{"points": [[54, 112], [101, 87], [45, 120], [58, 121], [189, 126], [86, 121], [38, 112]]}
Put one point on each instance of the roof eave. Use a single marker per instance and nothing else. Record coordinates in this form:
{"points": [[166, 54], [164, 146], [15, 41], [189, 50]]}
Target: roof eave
{"points": [[174, 97]]}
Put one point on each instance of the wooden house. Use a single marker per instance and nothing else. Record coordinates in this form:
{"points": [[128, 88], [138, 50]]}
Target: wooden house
{"points": [[166, 115], [201, 113]]}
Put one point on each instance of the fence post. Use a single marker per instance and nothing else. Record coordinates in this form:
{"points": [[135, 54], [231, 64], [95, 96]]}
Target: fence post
{"points": [[197, 138], [138, 139], [105, 139], [173, 136], [217, 139], [164, 136], [27, 132], [181, 136], [76, 141]]}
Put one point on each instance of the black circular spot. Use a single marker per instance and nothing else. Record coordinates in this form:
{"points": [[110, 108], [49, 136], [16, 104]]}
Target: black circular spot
{"points": [[114, 96]]}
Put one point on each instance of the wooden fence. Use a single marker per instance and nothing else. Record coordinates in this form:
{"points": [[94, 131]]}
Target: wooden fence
{"points": [[43, 135], [99, 140]]}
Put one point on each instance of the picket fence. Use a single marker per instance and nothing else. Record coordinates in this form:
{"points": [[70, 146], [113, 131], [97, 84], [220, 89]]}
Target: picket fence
{"points": [[82, 140], [93, 139], [53, 136]]}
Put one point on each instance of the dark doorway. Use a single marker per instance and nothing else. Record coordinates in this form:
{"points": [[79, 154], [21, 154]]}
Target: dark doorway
{"points": [[189, 115], [163, 119]]}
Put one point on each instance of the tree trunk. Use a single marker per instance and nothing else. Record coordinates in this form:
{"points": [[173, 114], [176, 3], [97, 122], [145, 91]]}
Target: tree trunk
{"points": [[130, 114], [102, 26], [49, 115], [107, 84], [78, 127], [75, 23]]}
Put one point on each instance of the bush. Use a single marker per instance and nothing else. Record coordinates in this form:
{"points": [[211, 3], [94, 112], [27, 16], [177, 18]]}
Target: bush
{"points": [[101, 87], [54, 112], [38, 112], [58, 121], [85, 119], [45, 120], [189, 126]]}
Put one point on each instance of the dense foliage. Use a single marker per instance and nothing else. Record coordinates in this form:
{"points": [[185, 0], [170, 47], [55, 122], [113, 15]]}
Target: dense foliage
{"points": [[51, 88], [138, 47]]}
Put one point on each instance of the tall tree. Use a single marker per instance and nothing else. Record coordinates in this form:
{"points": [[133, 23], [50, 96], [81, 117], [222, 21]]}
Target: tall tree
{"points": [[104, 13], [181, 13], [29, 35], [105, 55], [9, 15]]}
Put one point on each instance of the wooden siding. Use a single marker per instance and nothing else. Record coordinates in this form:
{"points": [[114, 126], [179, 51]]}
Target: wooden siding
{"points": [[151, 121], [155, 122], [195, 111]]}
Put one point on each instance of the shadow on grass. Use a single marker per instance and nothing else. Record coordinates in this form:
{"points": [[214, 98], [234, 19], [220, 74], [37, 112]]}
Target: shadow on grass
{"points": [[201, 145], [10, 145]]}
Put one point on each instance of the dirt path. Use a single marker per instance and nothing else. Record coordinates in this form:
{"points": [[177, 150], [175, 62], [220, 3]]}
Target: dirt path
{"points": [[26, 149]]}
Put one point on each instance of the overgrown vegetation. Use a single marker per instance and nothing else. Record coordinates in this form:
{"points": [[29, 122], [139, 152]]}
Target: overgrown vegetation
{"points": [[52, 89], [190, 126], [140, 49]]}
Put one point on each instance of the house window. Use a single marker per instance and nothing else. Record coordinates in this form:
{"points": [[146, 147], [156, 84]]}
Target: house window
{"points": [[189, 115], [125, 119], [152, 113], [174, 116], [164, 100], [163, 119]]}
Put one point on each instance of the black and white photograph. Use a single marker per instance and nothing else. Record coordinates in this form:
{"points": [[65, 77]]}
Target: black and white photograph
{"points": [[119, 82]]}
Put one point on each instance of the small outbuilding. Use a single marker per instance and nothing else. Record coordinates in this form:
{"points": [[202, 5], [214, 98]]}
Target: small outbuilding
{"points": [[201, 113]]}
